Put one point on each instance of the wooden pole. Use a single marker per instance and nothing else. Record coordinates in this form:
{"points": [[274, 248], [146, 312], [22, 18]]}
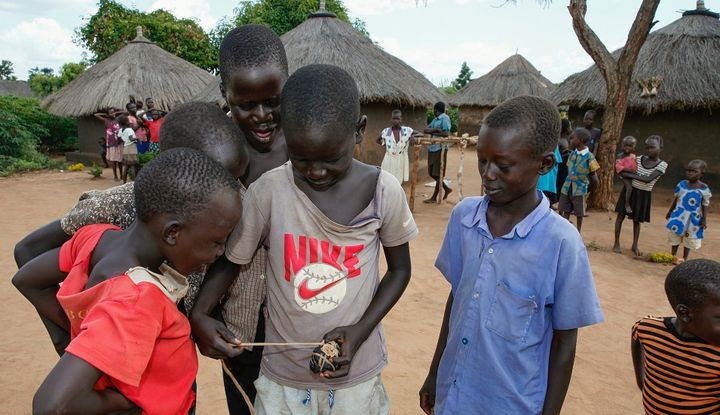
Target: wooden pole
{"points": [[413, 175], [441, 179], [463, 146]]}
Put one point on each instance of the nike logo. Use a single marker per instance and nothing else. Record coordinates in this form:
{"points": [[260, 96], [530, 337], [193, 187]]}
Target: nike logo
{"points": [[307, 293], [407, 222]]}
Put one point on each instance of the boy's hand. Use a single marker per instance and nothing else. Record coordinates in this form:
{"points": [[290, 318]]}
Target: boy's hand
{"points": [[213, 338], [427, 394], [349, 339]]}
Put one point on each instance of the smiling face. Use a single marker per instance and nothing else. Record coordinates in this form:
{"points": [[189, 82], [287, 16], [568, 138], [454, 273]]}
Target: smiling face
{"points": [[508, 168], [253, 96]]}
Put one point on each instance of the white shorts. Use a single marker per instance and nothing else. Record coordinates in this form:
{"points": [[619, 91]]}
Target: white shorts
{"points": [[368, 397], [686, 241]]}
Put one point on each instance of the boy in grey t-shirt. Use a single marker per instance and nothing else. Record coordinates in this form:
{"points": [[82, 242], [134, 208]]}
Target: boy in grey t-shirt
{"points": [[323, 217]]}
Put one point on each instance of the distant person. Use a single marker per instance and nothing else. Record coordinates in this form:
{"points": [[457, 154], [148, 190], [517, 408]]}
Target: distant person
{"points": [[564, 149], [649, 170], [130, 151], [113, 143], [154, 119], [150, 104], [687, 217], [581, 178], [677, 359], [626, 161], [547, 183], [520, 279], [438, 127], [595, 133], [396, 140], [136, 123], [140, 110]]}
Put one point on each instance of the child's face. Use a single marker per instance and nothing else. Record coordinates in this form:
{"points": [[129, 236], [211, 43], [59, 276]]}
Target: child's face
{"points": [[396, 120], [320, 156], [150, 103], [704, 321], [693, 172], [575, 142], [628, 146], [132, 109], [588, 120], [190, 246], [508, 168], [652, 148], [253, 96]]}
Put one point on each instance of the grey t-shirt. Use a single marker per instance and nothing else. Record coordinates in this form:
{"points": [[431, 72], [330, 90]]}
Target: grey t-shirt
{"points": [[321, 275]]}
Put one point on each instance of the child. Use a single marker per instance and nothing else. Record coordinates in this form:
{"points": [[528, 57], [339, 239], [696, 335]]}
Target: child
{"points": [[323, 217], [625, 161], [520, 279], [649, 170], [547, 183], [130, 345], [687, 220], [195, 125], [136, 123], [581, 179], [595, 133], [677, 359], [154, 119], [438, 127], [396, 140], [113, 144], [564, 149], [130, 152]]}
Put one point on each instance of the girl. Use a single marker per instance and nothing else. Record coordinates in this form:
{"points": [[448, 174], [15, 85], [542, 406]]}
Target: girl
{"points": [[131, 346], [130, 152], [649, 170], [396, 140], [113, 145], [136, 123]]}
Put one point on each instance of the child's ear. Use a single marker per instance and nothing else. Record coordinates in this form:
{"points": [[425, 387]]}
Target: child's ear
{"points": [[360, 129], [547, 162], [171, 232], [683, 313]]}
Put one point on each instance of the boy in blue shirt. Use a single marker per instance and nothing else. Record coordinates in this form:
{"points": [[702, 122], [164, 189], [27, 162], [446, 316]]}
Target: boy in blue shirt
{"points": [[439, 127], [520, 277]]}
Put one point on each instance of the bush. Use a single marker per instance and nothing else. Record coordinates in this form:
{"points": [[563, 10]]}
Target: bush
{"points": [[145, 158], [95, 171], [453, 113], [24, 124]]}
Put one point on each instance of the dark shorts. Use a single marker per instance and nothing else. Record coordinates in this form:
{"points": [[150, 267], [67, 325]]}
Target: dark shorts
{"points": [[572, 204], [434, 163]]}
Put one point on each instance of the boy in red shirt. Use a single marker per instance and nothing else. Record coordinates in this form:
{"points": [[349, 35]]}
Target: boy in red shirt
{"points": [[131, 347]]}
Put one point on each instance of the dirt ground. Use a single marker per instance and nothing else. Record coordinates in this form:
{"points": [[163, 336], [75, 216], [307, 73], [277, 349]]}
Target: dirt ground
{"points": [[603, 377]]}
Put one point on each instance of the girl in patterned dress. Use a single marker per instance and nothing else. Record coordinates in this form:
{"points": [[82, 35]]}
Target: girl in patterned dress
{"points": [[396, 140], [687, 217], [113, 145]]}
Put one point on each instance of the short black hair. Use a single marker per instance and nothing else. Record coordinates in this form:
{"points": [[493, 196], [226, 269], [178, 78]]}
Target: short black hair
{"points": [[655, 137], [320, 95], [700, 163], [690, 282], [180, 182], [629, 138], [123, 120], [592, 112], [250, 46], [439, 107], [536, 117], [200, 126], [396, 111], [583, 134]]}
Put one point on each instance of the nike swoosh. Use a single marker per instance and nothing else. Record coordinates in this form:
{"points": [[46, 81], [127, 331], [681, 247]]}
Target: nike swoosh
{"points": [[407, 222], [307, 293]]}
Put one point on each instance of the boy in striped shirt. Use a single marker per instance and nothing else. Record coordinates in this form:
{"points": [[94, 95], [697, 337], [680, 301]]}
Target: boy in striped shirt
{"points": [[677, 359]]}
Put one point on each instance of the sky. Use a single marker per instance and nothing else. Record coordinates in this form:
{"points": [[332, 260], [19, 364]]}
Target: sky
{"points": [[434, 38]]}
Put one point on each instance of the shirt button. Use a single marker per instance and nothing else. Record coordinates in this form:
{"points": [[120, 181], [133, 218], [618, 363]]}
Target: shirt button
{"points": [[476, 295], [490, 251], [464, 340]]}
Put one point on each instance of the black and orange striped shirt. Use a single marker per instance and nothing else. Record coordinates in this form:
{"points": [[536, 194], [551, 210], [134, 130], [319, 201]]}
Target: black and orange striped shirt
{"points": [[682, 376]]}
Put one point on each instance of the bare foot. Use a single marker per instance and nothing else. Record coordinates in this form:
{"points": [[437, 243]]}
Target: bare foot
{"points": [[637, 252], [628, 209], [431, 200], [447, 193], [616, 249]]}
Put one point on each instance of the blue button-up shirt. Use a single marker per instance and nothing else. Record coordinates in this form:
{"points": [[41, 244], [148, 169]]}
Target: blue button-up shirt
{"points": [[442, 122], [509, 294]]}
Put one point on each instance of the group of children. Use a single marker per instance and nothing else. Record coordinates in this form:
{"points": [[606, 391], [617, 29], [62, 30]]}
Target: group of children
{"points": [[129, 133], [270, 231]]}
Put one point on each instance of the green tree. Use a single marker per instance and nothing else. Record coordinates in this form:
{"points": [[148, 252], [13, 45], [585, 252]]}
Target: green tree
{"points": [[44, 81], [6, 70], [108, 30], [463, 77]]}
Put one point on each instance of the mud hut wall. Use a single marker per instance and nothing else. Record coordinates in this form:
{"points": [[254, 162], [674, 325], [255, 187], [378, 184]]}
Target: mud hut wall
{"points": [[686, 136], [470, 119], [90, 132], [369, 151]]}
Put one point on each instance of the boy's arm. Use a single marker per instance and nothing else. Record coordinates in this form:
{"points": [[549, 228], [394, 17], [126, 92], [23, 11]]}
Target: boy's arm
{"points": [[562, 358], [593, 181], [40, 240], [645, 179], [427, 391], [703, 218], [388, 293], [638, 357], [672, 207], [69, 388]]}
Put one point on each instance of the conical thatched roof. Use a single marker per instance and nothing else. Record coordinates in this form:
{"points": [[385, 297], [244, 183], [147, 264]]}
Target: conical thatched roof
{"points": [[15, 88], [513, 77], [685, 53], [380, 76], [141, 69]]}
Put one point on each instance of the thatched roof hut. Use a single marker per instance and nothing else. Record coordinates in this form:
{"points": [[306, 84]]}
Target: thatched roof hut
{"points": [[515, 76], [141, 69], [678, 65], [15, 88], [686, 56]]}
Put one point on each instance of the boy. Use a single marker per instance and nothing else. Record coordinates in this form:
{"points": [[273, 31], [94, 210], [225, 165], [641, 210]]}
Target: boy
{"points": [[323, 217], [677, 359], [595, 133], [687, 216], [520, 279], [438, 127], [130, 345], [581, 177]]}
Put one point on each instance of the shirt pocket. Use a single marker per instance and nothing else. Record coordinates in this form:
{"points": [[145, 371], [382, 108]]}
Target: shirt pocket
{"points": [[510, 314]]}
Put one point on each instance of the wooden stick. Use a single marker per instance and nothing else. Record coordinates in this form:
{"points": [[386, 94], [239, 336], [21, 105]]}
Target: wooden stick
{"points": [[441, 187], [248, 402], [463, 146], [413, 175], [281, 344]]}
